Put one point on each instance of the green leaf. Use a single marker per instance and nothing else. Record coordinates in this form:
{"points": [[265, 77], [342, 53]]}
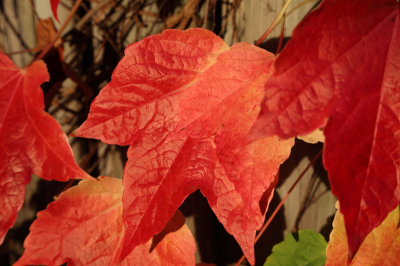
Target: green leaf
{"points": [[304, 247]]}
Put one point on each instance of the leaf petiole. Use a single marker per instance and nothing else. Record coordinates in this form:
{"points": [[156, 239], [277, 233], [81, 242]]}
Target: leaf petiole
{"points": [[273, 25]]}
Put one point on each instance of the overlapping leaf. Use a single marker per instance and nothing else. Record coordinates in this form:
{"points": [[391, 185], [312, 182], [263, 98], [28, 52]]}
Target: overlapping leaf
{"points": [[31, 141], [305, 247], [84, 226], [174, 245], [226, 99], [146, 88], [380, 247], [343, 63], [140, 107], [54, 5], [157, 180]]}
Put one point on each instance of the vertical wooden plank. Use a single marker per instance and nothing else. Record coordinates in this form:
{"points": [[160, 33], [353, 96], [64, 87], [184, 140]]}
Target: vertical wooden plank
{"points": [[316, 216], [26, 26], [234, 13], [16, 27], [259, 14]]}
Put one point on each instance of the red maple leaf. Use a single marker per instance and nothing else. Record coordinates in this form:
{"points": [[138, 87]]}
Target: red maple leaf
{"points": [[54, 5], [31, 141], [148, 84], [225, 99], [343, 64], [140, 107], [84, 226]]}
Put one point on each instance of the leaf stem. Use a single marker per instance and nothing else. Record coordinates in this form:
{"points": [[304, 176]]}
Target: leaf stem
{"points": [[299, 5], [33, 9], [55, 37], [273, 25], [282, 31], [281, 203]]}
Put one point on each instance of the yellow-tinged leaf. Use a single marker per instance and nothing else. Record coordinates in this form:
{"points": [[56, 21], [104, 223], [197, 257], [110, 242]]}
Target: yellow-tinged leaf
{"points": [[314, 137], [381, 247]]}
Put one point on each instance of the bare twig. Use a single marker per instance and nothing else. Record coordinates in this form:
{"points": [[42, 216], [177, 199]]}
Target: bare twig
{"points": [[234, 32], [226, 19], [182, 17], [282, 31], [12, 27], [297, 6], [273, 25], [89, 14], [158, 16], [58, 34], [33, 8], [213, 25], [205, 20]]}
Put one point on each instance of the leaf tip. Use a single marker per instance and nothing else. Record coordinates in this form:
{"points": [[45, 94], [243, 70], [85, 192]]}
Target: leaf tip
{"points": [[89, 177], [352, 253], [74, 133], [54, 6], [77, 133], [350, 257]]}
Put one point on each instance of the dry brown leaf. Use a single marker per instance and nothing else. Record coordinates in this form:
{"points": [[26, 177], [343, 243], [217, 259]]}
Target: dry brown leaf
{"points": [[45, 31]]}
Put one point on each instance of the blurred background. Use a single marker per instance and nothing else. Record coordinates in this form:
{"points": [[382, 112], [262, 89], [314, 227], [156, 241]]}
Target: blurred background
{"points": [[81, 63]]}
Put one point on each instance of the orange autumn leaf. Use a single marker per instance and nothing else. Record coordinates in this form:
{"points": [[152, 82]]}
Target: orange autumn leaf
{"points": [[142, 106], [84, 226], [381, 246], [45, 31]]}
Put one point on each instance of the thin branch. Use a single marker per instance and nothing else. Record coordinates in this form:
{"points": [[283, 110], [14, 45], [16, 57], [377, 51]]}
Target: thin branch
{"points": [[158, 16], [215, 6], [282, 31], [306, 202], [205, 20], [89, 15], [68, 8], [12, 27], [226, 19], [234, 31], [33, 9], [299, 5], [71, 98], [273, 25], [55, 37]]}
